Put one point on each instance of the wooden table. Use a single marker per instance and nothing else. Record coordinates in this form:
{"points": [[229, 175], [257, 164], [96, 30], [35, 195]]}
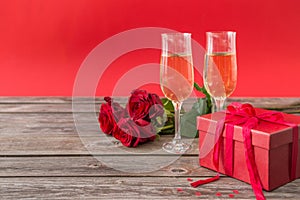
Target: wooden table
{"points": [[44, 156]]}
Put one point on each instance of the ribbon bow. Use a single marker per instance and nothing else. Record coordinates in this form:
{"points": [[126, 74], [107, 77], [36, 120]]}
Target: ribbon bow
{"points": [[246, 111], [249, 119]]}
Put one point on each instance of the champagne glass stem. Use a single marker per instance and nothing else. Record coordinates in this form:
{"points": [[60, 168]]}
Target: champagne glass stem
{"points": [[219, 103], [177, 107]]}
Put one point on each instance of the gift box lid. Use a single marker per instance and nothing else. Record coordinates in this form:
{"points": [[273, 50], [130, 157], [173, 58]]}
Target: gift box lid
{"points": [[266, 135]]}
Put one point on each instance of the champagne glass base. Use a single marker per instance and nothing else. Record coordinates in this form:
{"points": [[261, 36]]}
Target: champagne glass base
{"points": [[177, 147]]}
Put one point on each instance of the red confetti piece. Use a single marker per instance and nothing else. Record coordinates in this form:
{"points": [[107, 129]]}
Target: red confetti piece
{"points": [[236, 191], [179, 190], [198, 193], [218, 194], [189, 179], [231, 195]]}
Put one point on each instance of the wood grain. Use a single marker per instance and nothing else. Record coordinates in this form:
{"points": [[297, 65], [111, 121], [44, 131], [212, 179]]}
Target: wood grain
{"points": [[65, 166], [130, 188], [63, 105], [44, 154], [75, 145]]}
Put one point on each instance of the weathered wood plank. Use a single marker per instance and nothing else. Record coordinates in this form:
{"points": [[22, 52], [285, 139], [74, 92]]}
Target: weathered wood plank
{"points": [[75, 145], [46, 108], [36, 130], [63, 166], [49, 129], [32, 99], [130, 188], [59, 119], [46, 119], [17, 118], [51, 106], [64, 99], [36, 124], [42, 157], [48, 99]]}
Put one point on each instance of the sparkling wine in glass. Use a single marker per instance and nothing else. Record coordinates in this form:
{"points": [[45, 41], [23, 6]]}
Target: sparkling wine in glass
{"points": [[176, 80], [220, 69]]}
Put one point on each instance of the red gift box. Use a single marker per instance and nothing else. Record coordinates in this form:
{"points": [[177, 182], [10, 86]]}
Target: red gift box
{"points": [[274, 143]]}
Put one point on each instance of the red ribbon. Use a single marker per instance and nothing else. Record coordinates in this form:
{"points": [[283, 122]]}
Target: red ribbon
{"points": [[249, 120]]}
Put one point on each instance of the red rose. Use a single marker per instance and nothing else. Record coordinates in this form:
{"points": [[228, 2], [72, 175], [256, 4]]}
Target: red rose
{"points": [[109, 115], [130, 134], [136, 129], [106, 120], [139, 106]]}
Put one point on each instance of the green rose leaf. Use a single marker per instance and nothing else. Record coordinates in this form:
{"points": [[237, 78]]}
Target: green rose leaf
{"points": [[189, 119]]}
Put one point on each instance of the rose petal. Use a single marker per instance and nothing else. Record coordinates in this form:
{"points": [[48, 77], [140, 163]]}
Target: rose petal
{"points": [[138, 105], [189, 179], [218, 194], [236, 191], [179, 190], [198, 193], [231, 195], [106, 119]]}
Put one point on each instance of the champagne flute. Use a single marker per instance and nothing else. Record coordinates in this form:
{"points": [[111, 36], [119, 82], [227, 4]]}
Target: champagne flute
{"points": [[220, 69], [176, 80]]}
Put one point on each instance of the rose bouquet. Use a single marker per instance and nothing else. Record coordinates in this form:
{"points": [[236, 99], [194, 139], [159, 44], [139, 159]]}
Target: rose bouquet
{"points": [[146, 116], [137, 123]]}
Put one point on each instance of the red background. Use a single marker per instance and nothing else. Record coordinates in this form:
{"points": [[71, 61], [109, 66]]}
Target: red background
{"points": [[44, 42]]}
